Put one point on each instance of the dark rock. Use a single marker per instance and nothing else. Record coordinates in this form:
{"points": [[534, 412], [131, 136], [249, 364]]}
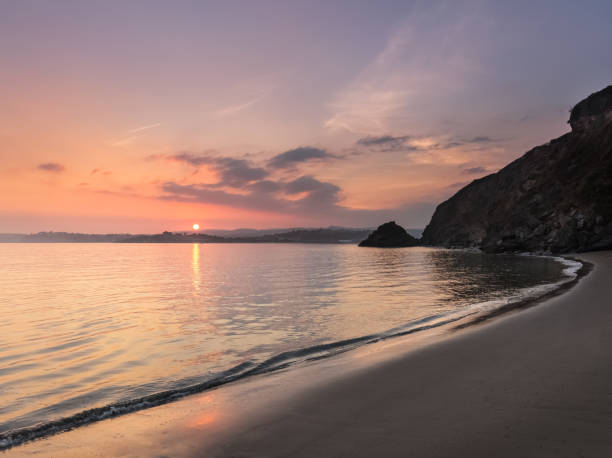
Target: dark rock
{"points": [[557, 197], [594, 111], [389, 235]]}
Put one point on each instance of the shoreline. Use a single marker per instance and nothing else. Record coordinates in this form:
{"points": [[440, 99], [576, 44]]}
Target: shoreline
{"points": [[529, 302], [440, 324], [534, 383], [263, 399]]}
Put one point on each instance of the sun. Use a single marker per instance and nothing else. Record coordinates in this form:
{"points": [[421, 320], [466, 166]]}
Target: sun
{"points": [[196, 226]]}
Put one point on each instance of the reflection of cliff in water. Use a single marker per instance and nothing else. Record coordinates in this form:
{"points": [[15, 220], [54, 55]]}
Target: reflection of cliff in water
{"points": [[465, 275]]}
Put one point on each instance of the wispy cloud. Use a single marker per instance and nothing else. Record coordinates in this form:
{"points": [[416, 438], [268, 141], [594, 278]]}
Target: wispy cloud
{"points": [[421, 144], [51, 167], [147, 127], [387, 143], [100, 172], [457, 185], [124, 141], [293, 157], [133, 134], [474, 171], [425, 66], [232, 172], [233, 110], [481, 139]]}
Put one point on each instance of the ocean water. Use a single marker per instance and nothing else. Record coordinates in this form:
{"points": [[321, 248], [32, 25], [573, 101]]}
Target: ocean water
{"points": [[118, 327]]}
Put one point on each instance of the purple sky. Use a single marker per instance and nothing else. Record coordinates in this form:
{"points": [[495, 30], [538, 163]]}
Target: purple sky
{"points": [[145, 116]]}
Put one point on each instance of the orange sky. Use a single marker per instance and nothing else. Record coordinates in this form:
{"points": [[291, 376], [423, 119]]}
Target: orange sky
{"points": [[148, 117]]}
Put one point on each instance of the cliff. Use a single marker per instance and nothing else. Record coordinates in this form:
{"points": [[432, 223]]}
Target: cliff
{"points": [[557, 197]]}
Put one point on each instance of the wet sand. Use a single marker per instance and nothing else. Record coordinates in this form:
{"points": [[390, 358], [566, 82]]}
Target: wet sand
{"points": [[532, 383]]}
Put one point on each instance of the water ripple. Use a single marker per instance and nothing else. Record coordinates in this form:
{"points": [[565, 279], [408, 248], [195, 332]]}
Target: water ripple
{"points": [[107, 327]]}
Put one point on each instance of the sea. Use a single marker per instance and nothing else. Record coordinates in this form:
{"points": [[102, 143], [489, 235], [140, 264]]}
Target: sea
{"points": [[90, 331]]}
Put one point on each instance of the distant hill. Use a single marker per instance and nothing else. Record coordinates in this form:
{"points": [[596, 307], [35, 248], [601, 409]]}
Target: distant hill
{"points": [[327, 235], [8, 238], [248, 232], [292, 236], [61, 237]]}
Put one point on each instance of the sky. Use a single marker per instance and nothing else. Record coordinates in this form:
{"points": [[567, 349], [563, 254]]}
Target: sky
{"points": [[145, 116]]}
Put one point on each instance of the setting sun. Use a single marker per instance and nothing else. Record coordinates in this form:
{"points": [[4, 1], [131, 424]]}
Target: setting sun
{"points": [[196, 227]]}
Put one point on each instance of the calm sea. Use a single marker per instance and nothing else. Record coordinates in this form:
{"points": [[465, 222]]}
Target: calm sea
{"points": [[92, 325]]}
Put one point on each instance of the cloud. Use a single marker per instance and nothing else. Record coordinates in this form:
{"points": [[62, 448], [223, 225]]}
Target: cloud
{"points": [[232, 110], [51, 167], [320, 204], [133, 134], [237, 172], [303, 184], [100, 171], [455, 142], [298, 155], [387, 143], [459, 184], [410, 143], [188, 158], [384, 89], [483, 139], [320, 193], [265, 187], [203, 193], [243, 184], [264, 195], [474, 171], [142, 128], [433, 71], [381, 140], [232, 172]]}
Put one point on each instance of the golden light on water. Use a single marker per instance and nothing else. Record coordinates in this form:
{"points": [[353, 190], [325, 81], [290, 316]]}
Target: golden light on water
{"points": [[196, 227], [195, 263]]}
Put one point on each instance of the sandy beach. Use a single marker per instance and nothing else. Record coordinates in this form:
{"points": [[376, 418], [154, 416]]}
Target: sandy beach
{"points": [[530, 383]]}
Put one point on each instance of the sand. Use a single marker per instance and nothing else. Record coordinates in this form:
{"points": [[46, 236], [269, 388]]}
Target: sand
{"points": [[532, 383]]}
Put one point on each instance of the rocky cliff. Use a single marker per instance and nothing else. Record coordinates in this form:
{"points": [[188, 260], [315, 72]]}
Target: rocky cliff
{"points": [[557, 197], [389, 235]]}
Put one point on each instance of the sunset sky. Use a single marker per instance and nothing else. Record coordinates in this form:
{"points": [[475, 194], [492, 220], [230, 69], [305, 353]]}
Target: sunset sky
{"points": [[144, 116]]}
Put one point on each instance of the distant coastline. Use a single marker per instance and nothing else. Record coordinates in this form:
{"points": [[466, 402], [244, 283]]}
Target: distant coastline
{"points": [[290, 235]]}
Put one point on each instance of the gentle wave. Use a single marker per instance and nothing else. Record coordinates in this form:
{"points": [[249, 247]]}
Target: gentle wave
{"points": [[533, 292], [277, 362]]}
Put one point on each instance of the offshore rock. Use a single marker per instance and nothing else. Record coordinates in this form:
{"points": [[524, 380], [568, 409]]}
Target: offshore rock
{"points": [[555, 198], [389, 235]]}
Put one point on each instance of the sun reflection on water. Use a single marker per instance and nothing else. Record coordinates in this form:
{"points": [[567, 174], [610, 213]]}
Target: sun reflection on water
{"points": [[195, 264]]}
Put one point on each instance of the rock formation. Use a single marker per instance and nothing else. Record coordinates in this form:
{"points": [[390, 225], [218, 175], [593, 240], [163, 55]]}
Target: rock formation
{"points": [[555, 198], [389, 235]]}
